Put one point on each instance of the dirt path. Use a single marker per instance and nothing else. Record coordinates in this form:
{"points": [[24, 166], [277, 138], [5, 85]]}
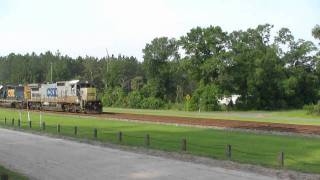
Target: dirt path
{"points": [[265, 126]]}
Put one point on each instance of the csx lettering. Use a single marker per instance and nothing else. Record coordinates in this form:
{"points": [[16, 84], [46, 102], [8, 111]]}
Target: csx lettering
{"points": [[52, 92], [11, 93]]}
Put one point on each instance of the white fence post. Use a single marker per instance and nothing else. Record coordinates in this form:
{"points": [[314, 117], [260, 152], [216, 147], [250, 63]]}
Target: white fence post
{"points": [[29, 116]]}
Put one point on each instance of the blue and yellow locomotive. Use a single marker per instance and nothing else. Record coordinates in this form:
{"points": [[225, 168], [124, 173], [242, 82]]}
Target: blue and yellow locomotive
{"points": [[69, 96]]}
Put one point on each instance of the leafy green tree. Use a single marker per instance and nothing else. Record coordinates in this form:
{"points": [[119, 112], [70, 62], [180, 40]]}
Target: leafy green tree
{"points": [[157, 57], [205, 47], [121, 71], [316, 32], [205, 98]]}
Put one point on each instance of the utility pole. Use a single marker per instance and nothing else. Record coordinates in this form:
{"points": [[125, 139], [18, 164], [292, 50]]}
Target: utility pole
{"points": [[107, 60], [51, 71], [107, 66]]}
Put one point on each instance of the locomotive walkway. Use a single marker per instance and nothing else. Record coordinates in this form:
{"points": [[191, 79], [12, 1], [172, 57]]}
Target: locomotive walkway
{"points": [[47, 158]]}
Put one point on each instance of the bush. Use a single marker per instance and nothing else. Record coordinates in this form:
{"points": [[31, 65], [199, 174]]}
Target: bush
{"points": [[312, 109], [107, 99], [135, 99], [152, 103], [114, 97], [205, 98], [175, 106]]}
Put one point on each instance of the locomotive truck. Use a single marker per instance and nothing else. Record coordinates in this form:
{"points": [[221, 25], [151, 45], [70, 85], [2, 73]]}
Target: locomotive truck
{"points": [[68, 96]]}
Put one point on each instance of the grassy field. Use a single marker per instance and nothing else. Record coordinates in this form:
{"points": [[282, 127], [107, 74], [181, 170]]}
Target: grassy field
{"points": [[301, 153], [12, 175], [287, 117]]}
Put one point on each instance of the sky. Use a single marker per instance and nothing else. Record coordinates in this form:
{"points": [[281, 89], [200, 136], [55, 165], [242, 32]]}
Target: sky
{"points": [[93, 27]]}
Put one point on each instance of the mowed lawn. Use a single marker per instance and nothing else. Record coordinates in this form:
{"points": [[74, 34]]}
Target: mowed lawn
{"points": [[287, 117], [301, 153]]}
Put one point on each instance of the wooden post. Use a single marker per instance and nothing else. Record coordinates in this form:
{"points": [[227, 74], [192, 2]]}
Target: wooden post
{"points": [[147, 140], [281, 159], [5, 121], [75, 130], [58, 128], [4, 177], [228, 151], [19, 123], [12, 122], [184, 144], [95, 133], [120, 136], [30, 124], [43, 125]]}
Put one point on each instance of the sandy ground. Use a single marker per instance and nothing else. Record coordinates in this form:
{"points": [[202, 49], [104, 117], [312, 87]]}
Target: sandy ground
{"points": [[46, 158]]}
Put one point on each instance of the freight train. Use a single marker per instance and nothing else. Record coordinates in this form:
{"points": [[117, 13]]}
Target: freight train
{"points": [[68, 96]]}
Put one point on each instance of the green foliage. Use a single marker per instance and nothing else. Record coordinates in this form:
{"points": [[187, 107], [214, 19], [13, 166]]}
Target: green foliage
{"points": [[313, 109], [115, 97], [159, 57], [107, 98], [152, 103], [205, 98], [316, 32], [12, 175], [135, 99], [268, 72]]}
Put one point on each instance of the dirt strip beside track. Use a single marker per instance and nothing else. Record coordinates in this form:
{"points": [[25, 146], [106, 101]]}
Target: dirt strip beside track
{"points": [[265, 126]]}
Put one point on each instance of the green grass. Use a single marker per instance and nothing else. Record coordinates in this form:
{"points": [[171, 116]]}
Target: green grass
{"points": [[287, 117], [12, 175], [301, 153]]}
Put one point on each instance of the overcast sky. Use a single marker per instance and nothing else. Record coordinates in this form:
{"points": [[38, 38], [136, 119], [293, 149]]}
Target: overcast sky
{"points": [[88, 27]]}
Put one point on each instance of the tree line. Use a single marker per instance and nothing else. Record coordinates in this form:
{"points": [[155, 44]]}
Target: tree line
{"points": [[268, 70]]}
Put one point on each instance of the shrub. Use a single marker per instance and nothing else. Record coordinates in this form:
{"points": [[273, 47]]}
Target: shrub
{"points": [[312, 109], [205, 98], [175, 106], [135, 99], [152, 103], [114, 97], [107, 98]]}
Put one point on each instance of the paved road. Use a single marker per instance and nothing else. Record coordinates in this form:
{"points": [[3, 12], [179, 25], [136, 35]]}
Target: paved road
{"points": [[48, 158]]}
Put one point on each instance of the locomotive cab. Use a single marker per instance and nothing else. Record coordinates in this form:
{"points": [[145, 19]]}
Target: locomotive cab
{"points": [[88, 97]]}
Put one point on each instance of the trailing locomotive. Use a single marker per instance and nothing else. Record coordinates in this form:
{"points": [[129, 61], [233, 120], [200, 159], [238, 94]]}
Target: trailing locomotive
{"points": [[69, 96], [12, 96]]}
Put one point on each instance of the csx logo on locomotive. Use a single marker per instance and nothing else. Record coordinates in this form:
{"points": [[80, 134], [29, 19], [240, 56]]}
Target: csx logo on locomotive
{"points": [[52, 92]]}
